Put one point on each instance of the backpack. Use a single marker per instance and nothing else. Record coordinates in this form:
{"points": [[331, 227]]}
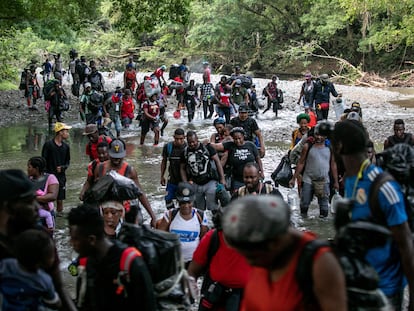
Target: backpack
{"points": [[48, 86], [161, 252], [398, 165], [23, 76], [80, 70], [174, 71], [350, 247]]}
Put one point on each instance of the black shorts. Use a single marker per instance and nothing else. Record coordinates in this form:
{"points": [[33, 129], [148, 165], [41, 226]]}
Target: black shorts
{"points": [[62, 186], [146, 125]]}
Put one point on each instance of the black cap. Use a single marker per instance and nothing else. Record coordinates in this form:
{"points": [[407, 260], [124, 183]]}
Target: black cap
{"points": [[243, 108], [185, 192], [14, 184]]}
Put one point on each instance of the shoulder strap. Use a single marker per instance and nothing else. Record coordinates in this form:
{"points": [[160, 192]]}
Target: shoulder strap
{"points": [[303, 272], [172, 214], [127, 257], [127, 170], [169, 149], [200, 215], [101, 169], [213, 247], [373, 199]]}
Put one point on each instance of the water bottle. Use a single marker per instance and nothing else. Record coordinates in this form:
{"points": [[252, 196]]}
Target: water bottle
{"points": [[293, 199]]}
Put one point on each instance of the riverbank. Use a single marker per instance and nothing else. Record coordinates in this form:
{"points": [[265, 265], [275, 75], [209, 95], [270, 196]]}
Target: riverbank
{"points": [[378, 112]]}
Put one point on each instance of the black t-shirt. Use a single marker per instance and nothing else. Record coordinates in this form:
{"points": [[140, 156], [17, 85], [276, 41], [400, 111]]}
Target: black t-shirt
{"points": [[239, 156], [101, 290], [56, 156], [249, 125], [173, 154], [198, 164]]}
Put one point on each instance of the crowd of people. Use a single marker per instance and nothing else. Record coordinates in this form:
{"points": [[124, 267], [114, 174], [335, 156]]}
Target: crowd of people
{"points": [[248, 258]]}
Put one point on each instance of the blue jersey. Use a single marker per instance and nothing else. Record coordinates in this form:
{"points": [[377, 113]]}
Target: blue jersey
{"points": [[386, 260]]}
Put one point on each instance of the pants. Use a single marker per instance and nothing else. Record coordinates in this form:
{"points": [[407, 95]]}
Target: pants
{"points": [[205, 196], [322, 114], [307, 196], [207, 105], [190, 104], [224, 112]]}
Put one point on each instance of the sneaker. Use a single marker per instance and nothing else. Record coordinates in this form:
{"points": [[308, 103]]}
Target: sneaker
{"points": [[59, 214], [323, 216]]}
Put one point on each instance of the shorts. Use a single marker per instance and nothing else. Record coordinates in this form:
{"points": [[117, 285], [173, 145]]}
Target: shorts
{"points": [[148, 124], [171, 189], [62, 186]]}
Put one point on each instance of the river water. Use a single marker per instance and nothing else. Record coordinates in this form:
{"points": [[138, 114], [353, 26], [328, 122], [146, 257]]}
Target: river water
{"points": [[20, 142]]}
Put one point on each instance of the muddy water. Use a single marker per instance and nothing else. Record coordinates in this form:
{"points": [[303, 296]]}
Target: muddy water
{"points": [[408, 97], [19, 143]]}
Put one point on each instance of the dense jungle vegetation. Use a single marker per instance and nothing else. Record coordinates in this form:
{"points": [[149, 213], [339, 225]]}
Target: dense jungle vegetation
{"points": [[349, 37]]}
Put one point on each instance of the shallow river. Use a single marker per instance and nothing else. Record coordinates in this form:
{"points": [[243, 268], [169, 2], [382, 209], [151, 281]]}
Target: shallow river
{"points": [[20, 142]]}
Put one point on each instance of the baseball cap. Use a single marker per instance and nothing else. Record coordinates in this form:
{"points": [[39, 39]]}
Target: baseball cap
{"points": [[255, 219], [59, 126], [14, 184], [117, 149], [87, 84], [90, 129], [185, 192], [324, 77], [243, 108]]}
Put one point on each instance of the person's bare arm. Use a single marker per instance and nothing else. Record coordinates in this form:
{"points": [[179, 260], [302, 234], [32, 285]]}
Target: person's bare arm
{"points": [[143, 198], [300, 165], [220, 171], [329, 283], [163, 169], [259, 135], [50, 196]]}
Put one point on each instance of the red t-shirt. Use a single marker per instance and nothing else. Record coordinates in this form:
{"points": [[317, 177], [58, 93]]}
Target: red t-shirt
{"points": [[92, 148], [153, 108], [282, 295], [127, 109], [227, 266]]}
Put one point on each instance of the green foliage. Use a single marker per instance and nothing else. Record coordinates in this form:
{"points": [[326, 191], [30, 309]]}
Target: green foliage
{"points": [[145, 15], [261, 35]]}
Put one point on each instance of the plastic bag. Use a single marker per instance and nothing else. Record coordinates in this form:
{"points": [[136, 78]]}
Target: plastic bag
{"points": [[283, 173], [112, 186], [334, 201]]}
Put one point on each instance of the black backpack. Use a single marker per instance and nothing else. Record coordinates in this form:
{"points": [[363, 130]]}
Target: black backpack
{"points": [[174, 71], [23, 76], [161, 252], [350, 247], [80, 70]]}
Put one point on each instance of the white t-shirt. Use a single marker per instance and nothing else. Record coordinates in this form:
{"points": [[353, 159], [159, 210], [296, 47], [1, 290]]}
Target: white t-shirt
{"points": [[188, 231]]}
